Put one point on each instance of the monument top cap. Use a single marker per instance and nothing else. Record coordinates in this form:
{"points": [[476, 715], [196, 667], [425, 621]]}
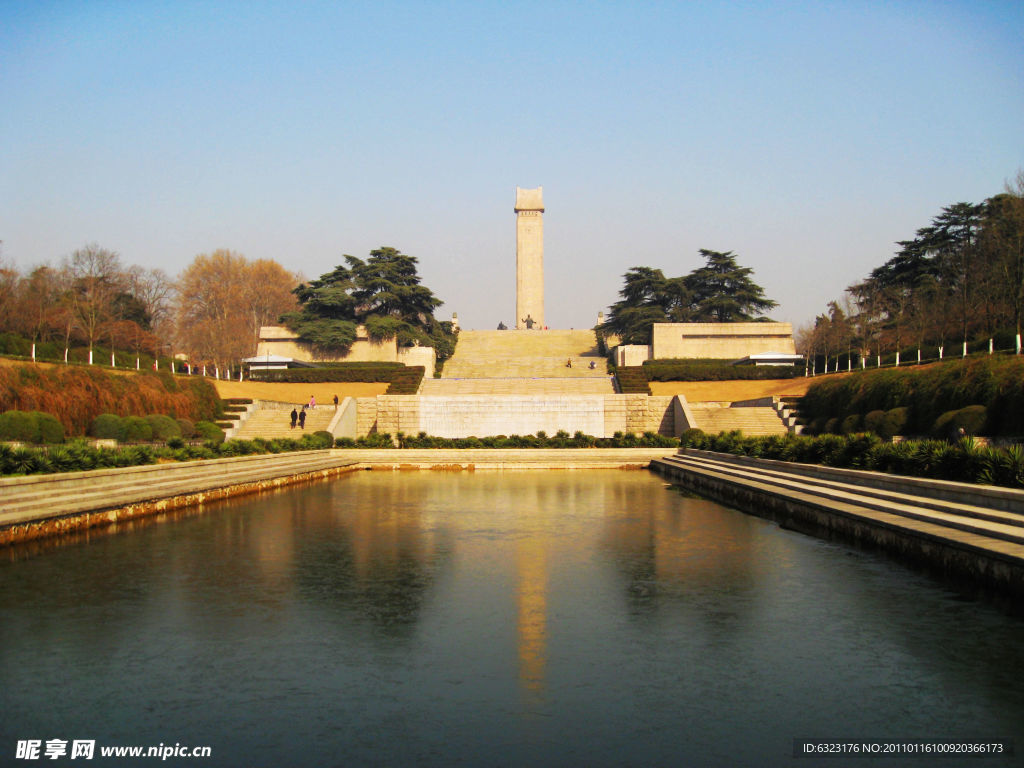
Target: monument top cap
{"points": [[529, 199]]}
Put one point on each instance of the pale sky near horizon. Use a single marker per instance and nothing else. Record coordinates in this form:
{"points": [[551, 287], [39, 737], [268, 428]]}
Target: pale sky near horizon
{"points": [[807, 137]]}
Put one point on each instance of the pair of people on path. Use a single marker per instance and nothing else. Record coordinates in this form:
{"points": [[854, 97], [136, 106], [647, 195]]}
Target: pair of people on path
{"points": [[300, 417]]}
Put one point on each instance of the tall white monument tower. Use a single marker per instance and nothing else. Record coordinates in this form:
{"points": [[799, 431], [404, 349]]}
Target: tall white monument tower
{"points": [[529, 258]]}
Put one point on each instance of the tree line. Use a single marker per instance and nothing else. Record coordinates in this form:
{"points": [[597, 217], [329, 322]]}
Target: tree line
{"points": [[212, 312], [960, 279]]}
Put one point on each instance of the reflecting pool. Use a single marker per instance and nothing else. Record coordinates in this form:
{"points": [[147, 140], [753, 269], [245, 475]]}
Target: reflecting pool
{"points": [[491, 618]]}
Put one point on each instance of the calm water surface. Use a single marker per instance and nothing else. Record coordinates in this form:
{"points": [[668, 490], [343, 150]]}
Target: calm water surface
{"points": [[518, 618]]}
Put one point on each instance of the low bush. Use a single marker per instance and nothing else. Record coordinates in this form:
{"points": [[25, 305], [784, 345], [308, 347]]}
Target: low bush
{"points": [[163, 427], [136, 429], [323, 437], [187, 428], [209, 431], [50, 430], [107, 426], [852, 423], [964, 421], [19, 426]]}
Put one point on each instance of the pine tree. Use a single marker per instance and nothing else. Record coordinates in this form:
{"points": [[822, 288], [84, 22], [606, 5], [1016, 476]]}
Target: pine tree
{"points": [[723, 291]]}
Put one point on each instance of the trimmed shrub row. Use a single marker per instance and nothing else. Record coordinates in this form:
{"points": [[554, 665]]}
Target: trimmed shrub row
{"points": [[143, 429], [964, 461], [928, 393], [78, 455], [75, 395], [402, 379], [560, 439], [715, 370], [347, 372]]}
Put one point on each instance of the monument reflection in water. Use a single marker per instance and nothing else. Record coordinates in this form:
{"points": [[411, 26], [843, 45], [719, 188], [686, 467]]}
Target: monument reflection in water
{"points": [[524, 618]]}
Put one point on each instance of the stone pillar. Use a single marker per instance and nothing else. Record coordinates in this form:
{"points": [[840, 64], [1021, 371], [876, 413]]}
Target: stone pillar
{"points": [[529, 257]]}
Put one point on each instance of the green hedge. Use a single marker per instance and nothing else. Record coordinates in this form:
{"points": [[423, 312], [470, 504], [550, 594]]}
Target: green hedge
{"points": [[348, 372], [560, 439], [78, 455], [996, 383], [963, 461], [699, 369], [108, 426]]}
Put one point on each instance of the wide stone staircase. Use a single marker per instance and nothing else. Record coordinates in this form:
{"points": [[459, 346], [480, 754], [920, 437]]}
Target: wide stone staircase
{"points": [[750, 420], [525, 354], [518, 362], [540, 386], [271, 423]]}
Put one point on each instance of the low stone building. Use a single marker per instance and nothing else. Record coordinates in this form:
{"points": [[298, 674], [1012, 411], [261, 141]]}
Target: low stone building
{"points": [[278, 342], [713, 341]]}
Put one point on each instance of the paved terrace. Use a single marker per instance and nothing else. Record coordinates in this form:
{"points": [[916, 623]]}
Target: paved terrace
{"points": [[961, 530], [36, 506]]}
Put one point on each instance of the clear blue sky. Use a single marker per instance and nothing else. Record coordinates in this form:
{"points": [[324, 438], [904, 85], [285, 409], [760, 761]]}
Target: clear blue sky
{"points": [[806, 137]]}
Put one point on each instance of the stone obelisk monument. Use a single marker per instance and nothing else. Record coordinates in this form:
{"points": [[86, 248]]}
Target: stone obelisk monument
{"points": [[529, 258]]}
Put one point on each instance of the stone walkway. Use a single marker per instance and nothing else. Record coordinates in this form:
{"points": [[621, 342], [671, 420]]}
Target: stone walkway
{"points": [[962, 529]]}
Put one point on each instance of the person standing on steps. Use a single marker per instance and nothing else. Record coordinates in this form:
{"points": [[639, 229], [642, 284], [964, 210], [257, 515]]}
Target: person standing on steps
{"points": [[335, 402], [295, 417], [312, 402], [302, 419]]}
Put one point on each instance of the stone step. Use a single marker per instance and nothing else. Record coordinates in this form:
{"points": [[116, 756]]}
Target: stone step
{"points": [[515, 386], [106, 481], [515, 353], [749, 420], [964, 517], [272, 423], [70, 500]]}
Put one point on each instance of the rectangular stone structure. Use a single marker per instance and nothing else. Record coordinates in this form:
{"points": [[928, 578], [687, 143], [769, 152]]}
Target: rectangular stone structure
{"points": [[529, 258], [724, 341]]}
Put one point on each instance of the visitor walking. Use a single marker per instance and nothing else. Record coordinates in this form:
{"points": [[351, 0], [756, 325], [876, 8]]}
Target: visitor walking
{"points": [[302, 419], [312, 402], [335, 402], [295, 417]]}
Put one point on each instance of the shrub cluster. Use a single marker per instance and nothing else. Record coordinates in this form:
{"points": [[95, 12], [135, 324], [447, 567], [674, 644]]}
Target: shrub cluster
{"points": [[76, 395], [78, 455], [928, 393], [30, 427], [560, 439], [155, 427], [963, 461], [699, 369]]}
